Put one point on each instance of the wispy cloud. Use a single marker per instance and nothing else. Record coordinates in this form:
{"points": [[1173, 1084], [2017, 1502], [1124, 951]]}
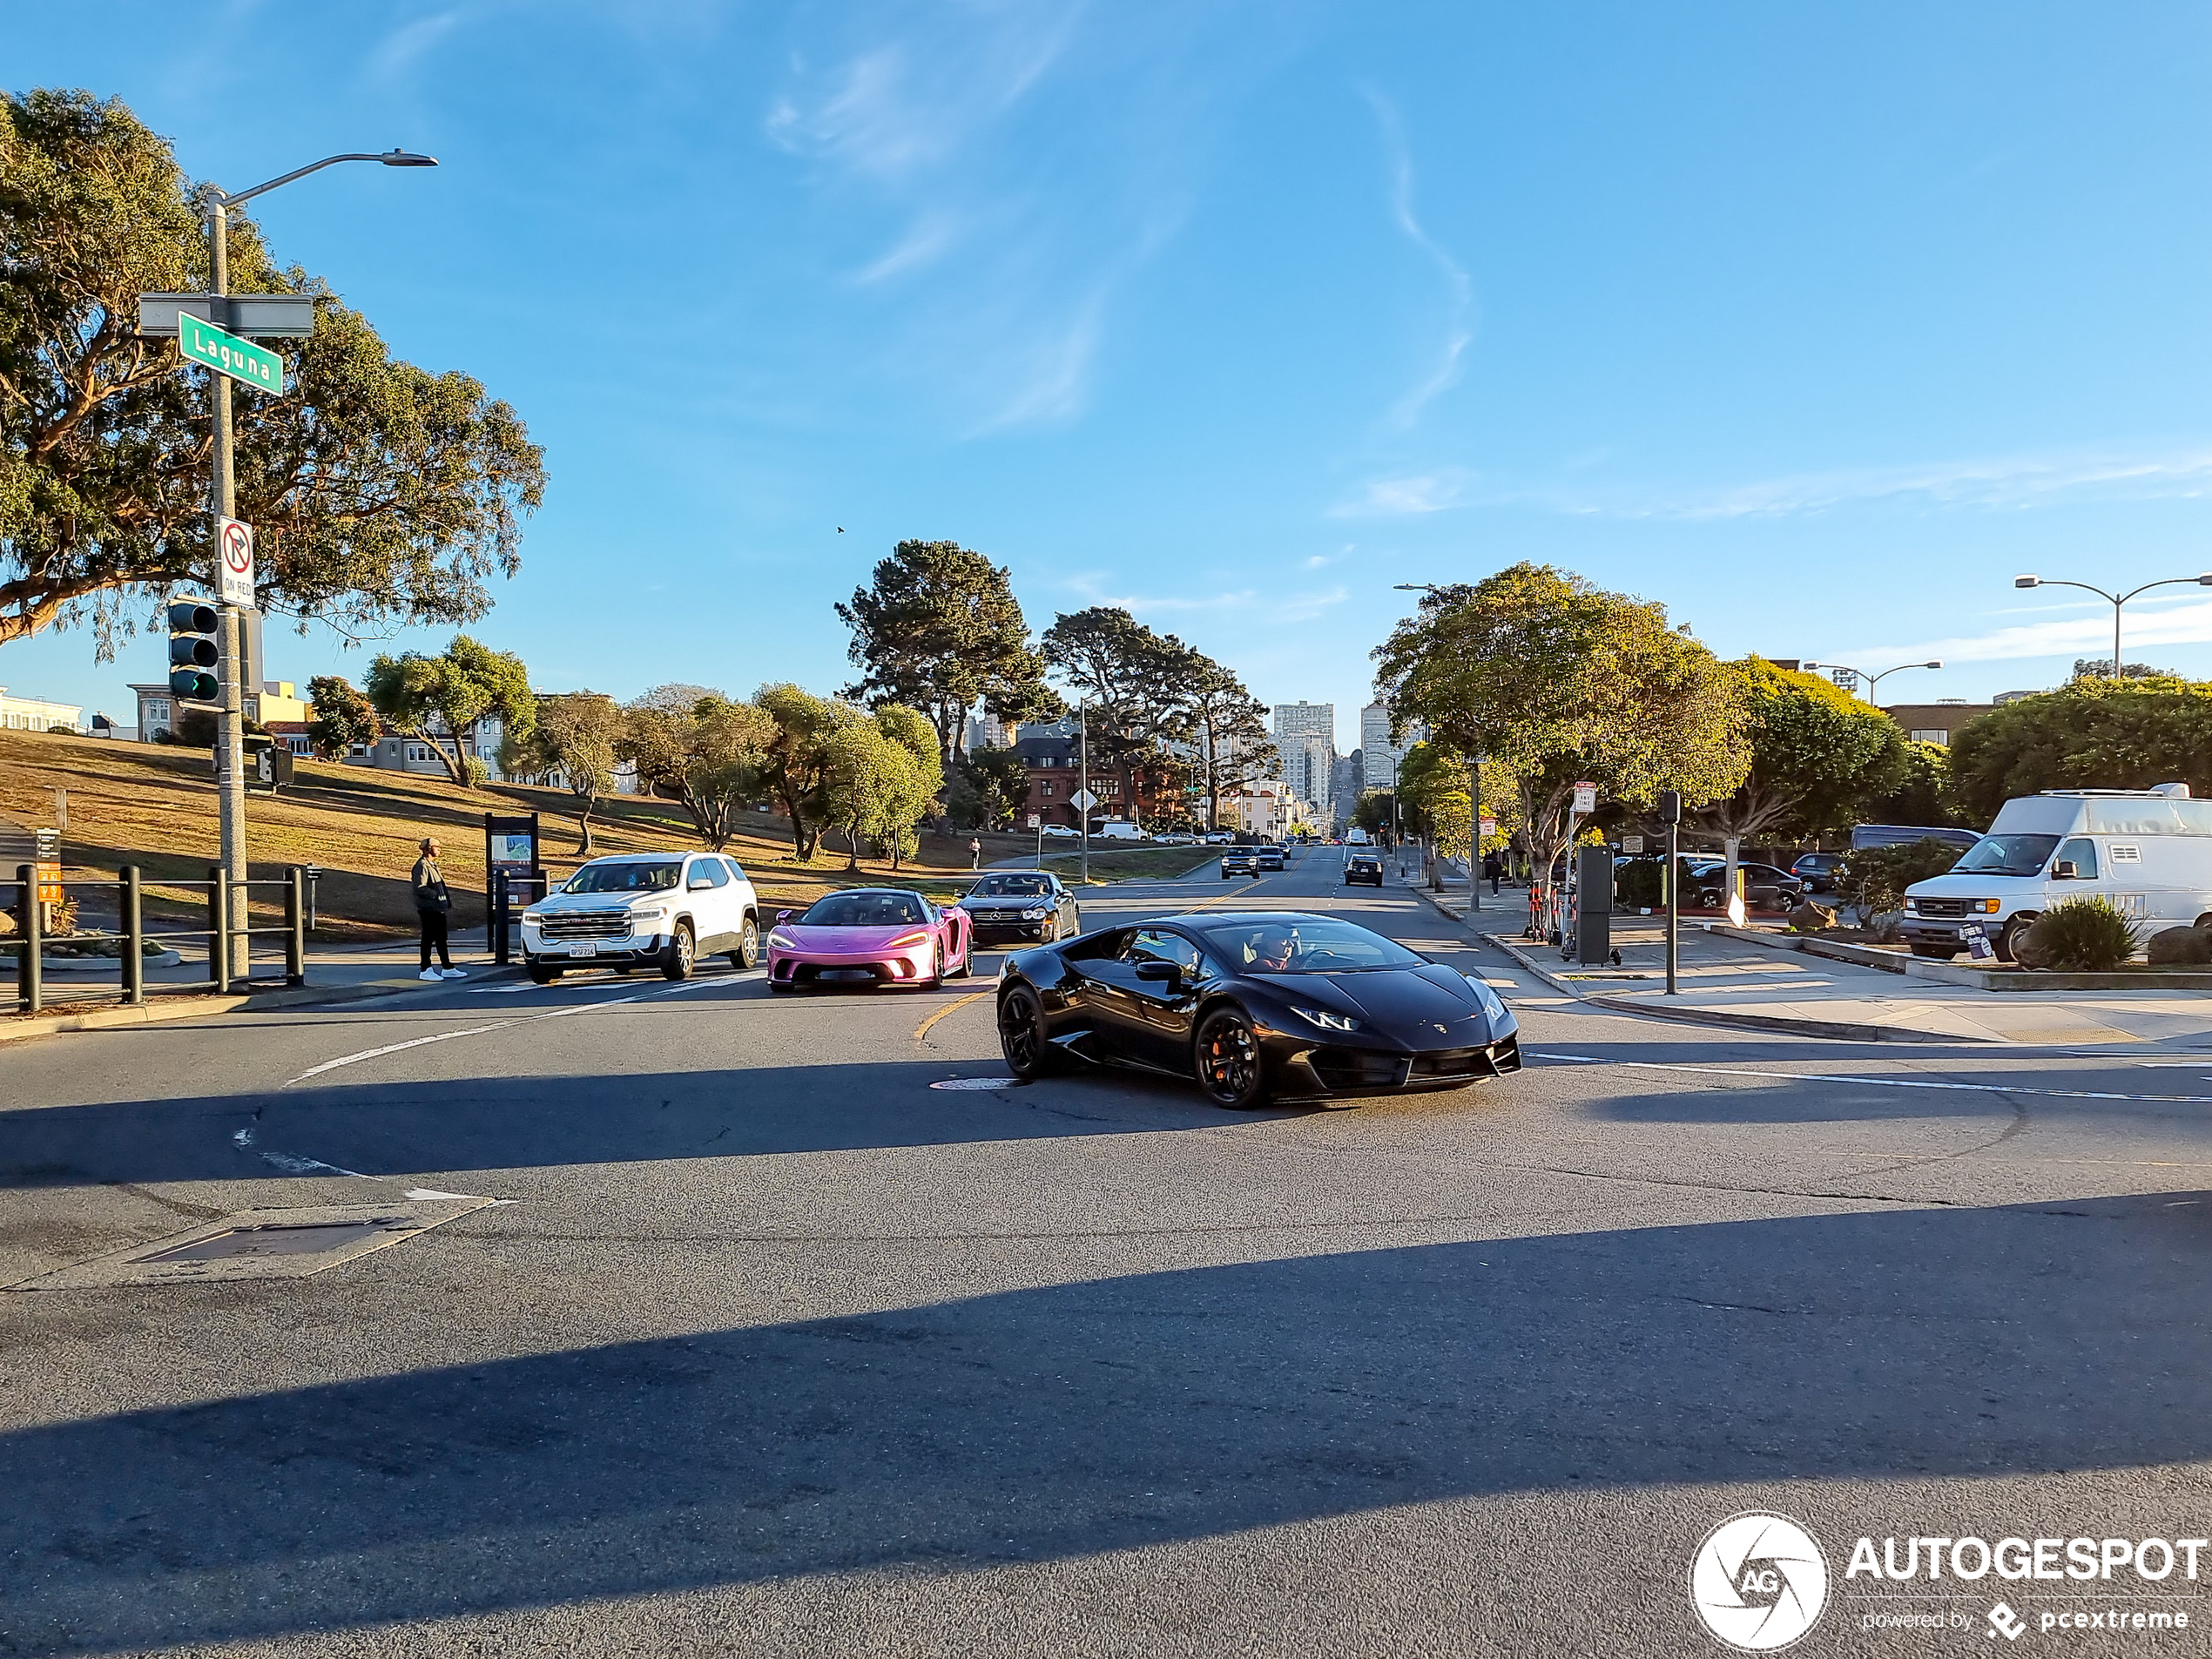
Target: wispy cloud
{"points": [[1424, 492], [1459, 288], [1091, 588], [927, 241], [399, 51], [2187, 621], [1999, 483]]}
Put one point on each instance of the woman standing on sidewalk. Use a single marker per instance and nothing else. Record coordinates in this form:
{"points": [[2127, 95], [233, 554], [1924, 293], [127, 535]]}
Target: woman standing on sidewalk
{"points": [[432, 905]]}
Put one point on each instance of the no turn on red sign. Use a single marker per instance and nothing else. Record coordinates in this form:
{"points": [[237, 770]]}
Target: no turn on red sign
{"points": [[234, 549]]}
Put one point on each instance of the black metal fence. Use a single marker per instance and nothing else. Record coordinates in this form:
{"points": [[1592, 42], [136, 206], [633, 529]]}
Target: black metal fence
{"points": [[222, 932]]}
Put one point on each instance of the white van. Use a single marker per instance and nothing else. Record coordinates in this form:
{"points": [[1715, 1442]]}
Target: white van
{"points": [[1355, 837], [1116, 829], [2149, 851]]}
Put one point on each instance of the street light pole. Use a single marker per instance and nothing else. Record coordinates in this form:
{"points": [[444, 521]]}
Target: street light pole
{"points": [[1872, 680], [222, 500], [2117, 599], [230, 718], [1083, 809]]}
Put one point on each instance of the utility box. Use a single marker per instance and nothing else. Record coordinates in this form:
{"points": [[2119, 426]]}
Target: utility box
{"points": [[1592, 905]]}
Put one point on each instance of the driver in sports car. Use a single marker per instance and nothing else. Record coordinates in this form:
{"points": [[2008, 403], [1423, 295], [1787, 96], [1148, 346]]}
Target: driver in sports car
{"points": [[1272, 952]]}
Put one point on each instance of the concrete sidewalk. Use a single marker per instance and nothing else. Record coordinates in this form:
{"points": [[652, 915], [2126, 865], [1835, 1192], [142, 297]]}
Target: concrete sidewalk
{"points": [[1730, 981], [338, 972]]}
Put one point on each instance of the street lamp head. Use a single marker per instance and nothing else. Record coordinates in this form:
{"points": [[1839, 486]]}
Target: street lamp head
{"points": [[2205, 581], [2028, 581], [1809, 666], [1938, 663], [397, 157]]}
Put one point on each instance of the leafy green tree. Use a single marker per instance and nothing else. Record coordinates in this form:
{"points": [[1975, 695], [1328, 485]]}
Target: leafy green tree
{"points": [[992, 784], [797, 760], [938, 629], [1562, 682], [1230, 733], [381, 493], [1922, 793], [575, 736], [342, 716], [2090, 733], [700, 749], [431, 698], [1140, 686], [1818, 755], [883, 775]]}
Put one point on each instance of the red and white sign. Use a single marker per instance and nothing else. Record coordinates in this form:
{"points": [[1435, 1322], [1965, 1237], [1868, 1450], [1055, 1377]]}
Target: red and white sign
{"points": [[1585, 798], [234, 541]]}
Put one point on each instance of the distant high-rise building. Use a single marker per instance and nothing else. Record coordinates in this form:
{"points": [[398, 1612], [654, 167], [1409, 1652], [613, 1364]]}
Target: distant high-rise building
{"points": [[1379, 754], [1305, 739]]}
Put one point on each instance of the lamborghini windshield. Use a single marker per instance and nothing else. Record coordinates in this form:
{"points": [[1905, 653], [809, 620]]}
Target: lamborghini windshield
{"points": [[1308, 945]]}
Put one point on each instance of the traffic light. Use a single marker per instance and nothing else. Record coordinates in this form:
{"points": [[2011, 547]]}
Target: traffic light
{"points": [[193, 651]]}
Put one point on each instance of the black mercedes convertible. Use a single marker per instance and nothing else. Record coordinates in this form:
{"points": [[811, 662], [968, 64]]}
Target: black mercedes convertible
{"points": [[1258, 1006]]}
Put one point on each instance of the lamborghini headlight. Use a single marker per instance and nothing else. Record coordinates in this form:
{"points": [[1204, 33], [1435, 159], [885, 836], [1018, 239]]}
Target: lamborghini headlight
{"points": [[1326, 1020]]}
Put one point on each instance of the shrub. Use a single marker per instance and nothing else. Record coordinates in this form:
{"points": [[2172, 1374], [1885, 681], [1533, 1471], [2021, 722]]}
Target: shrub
{"points": [[1874, 878], [2090, 935]]}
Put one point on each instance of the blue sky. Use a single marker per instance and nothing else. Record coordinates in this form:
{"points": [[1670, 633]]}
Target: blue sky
{"points": [[1815, 323]]}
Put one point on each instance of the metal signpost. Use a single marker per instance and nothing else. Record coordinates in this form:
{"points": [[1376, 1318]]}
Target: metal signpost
{"points": [[202, 325], [1036, 823], [1670, 814]]}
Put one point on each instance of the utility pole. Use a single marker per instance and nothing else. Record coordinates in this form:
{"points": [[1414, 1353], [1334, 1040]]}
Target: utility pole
{"points": [[230, 719], [1670, 811], [1083, 749]]}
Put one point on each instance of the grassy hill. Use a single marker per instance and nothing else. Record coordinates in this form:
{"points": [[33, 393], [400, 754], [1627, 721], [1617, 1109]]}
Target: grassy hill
{"points": [[155, 806]]}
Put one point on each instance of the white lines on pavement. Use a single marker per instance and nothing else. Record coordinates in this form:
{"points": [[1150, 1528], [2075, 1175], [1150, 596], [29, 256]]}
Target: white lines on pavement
{"points": [[293, 1165], [1881, 1083], [501, 1025]]}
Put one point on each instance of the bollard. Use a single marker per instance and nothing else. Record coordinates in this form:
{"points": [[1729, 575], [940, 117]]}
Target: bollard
{"points": [[30, 982], [219, 929], [501, 896], [134, 935], [295, 927]]}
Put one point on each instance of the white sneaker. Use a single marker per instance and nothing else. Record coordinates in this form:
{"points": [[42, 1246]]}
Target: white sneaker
{"points": [[456, 973], [430, 973]]}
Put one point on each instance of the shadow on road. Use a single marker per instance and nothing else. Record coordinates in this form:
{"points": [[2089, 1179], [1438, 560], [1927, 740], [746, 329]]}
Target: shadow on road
{"points": [[1097, 1416], [454, 1125]]}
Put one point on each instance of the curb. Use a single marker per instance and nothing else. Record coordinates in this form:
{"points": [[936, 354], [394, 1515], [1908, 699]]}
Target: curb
{"points": [[1835, 1030], [166, 1009]]}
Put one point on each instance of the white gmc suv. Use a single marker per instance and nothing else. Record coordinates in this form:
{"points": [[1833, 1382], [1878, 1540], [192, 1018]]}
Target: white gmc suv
{"points": [[662, 909]]}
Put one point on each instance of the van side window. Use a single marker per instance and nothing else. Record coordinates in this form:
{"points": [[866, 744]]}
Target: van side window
{"points": [[712, 870], [2083, 851]]}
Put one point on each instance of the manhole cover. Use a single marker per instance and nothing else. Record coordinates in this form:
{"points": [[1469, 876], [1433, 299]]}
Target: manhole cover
{"points": [[258, 1243], [290, 1238], [977, 1083]]}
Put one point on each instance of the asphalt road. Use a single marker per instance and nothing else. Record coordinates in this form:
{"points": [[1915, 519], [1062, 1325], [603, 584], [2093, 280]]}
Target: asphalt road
{"points": [[771, 1348]]}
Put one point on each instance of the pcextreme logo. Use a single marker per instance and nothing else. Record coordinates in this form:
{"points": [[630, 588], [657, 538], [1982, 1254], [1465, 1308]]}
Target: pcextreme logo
{"points": [[1758, 1581]]}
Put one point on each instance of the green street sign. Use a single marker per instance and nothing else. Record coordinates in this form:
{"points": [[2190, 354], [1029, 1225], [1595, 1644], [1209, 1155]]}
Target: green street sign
{"points": [[225, 353]]}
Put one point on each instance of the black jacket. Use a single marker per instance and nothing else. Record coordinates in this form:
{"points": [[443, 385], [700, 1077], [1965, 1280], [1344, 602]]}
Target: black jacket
{"points": [[430, 887]]}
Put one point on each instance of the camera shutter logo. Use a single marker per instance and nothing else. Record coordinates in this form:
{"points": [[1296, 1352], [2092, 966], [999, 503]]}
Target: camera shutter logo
{"points": [[1759, 1581]]}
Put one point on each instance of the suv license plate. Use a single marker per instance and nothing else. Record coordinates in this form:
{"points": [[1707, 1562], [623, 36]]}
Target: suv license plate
{"points": [[583, 950]]}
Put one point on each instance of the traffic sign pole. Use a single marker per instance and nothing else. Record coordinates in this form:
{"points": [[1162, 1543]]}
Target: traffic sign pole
{"points": [[230, 720]]}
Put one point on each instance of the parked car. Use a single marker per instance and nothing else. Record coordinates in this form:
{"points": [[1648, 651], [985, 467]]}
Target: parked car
{"points": [[1219, 837], [2148, 851], [1240, 860], [1865, 835], [1060, 832], [643, 909], [1116, 829], [1360, 865], [1818, 871], [1021, 907], [1707, 882], [1270, 857], [1253, 1006], [870, 935]]}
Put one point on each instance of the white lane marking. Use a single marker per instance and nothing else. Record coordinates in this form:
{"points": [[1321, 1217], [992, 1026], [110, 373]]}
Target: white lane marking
{"points": [[524, 985], [286, 1162], [498, 1025], [1882, 1082]]}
